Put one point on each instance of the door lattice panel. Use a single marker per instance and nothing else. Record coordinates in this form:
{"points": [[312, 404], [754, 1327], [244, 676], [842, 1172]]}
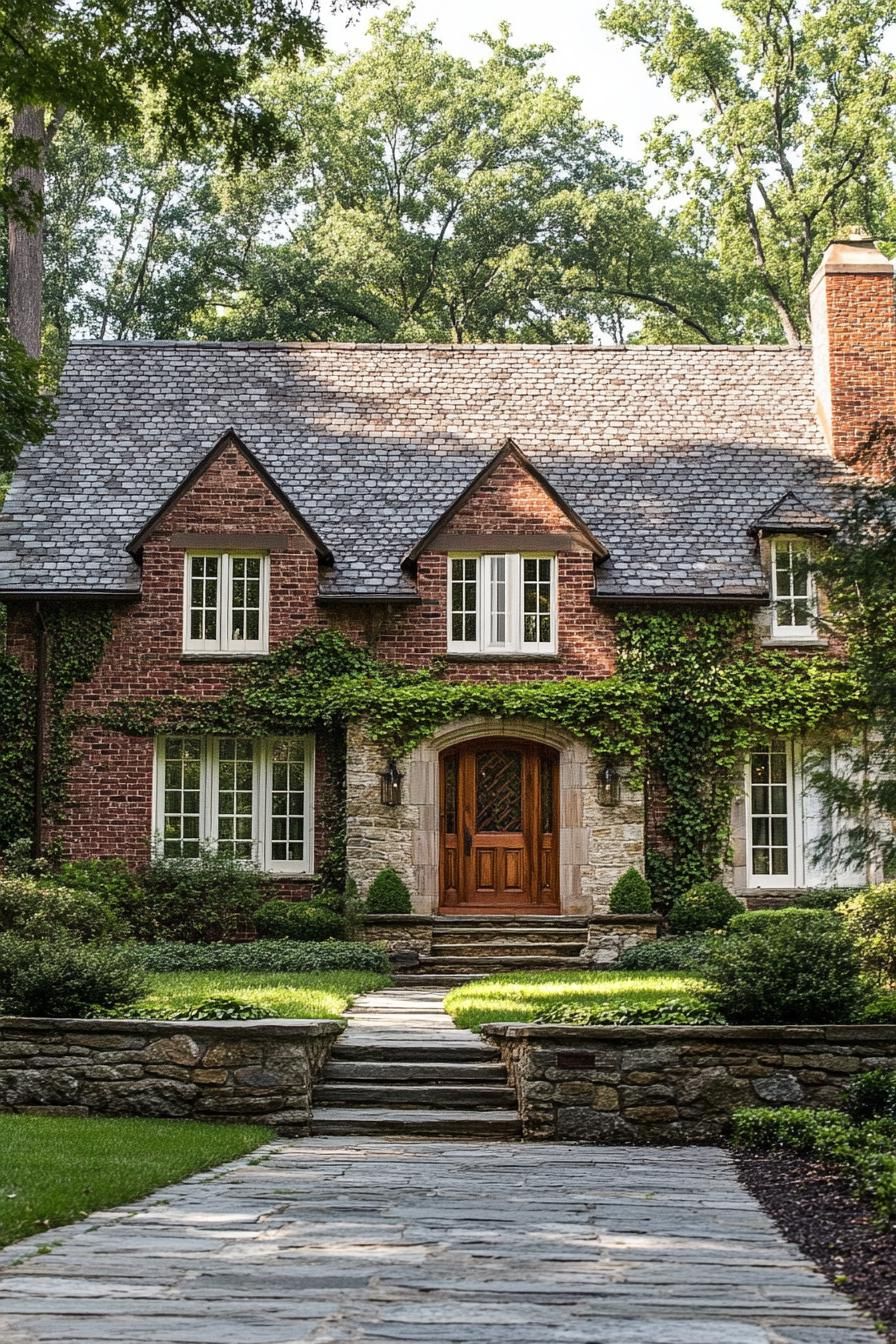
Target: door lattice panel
{"points": [[499, 791]]}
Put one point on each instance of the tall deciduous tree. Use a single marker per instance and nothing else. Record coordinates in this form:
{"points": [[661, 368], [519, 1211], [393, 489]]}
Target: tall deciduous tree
{"points": [[797, 141], [427, 197], [99, 59]]}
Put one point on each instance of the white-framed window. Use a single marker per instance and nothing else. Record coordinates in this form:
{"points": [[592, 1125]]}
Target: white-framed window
{"points": [[770, 815], [794, 594], [225, 602], [250, 797], [785, 816], [505, 603]]}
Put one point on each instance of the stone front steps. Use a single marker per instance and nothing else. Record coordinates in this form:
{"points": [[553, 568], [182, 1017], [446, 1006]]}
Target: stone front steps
{"points": [[403, 1069], [467, 946]]}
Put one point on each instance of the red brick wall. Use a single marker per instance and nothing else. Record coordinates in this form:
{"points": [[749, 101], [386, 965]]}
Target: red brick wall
{"points": [[854, 328]]}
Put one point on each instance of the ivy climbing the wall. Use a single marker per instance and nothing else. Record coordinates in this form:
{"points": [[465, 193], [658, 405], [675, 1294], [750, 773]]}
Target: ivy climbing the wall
{"points": [[714, 695]]}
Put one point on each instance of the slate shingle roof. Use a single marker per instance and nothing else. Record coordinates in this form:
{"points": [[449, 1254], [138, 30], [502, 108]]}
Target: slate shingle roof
{"points": [[790, 514], [669, 454]]}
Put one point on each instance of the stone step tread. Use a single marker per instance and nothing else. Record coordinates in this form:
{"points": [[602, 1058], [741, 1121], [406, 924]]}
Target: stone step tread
{"points": [[521, 921], [411, 979], [419, 1096], [476, 950], [382, 1120], [533, 963], [414, 1071], [401, 1051]]}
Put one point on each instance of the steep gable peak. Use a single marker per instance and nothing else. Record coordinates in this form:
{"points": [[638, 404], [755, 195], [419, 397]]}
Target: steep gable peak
{"points": [[509, 456], [790, 514], [229, 442]]}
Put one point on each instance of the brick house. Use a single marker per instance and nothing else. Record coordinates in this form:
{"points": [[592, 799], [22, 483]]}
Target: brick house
{"points": [[493, 508]]}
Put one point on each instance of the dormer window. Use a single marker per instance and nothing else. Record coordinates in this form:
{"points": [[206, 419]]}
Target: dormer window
{"points": [[794, 594], [502, 604], [225, 602]]}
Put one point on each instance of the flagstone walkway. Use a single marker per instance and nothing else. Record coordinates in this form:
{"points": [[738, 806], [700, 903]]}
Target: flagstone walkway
{"points": [[351, 1241]]}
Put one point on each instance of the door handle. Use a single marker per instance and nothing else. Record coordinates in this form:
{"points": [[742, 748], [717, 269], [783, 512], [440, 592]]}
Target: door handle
{"points": [[468, 841]]}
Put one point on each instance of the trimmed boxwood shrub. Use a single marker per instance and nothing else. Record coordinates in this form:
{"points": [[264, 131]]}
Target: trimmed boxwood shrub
{"points": [[197, 900], [708, 905], [306, 921], [760, 920], [388, 895], [54, 978], [823, 898], [279, 954], [630, 894], [871, 1096], [35, 909], [871, 916], [685, 952], [788, 971]]}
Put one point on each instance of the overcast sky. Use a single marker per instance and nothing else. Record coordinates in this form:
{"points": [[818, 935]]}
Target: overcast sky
{"points": [[612, 82]]}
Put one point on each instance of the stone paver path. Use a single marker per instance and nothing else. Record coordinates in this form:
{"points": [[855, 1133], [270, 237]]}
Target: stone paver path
{"points": [[351, 1241]]}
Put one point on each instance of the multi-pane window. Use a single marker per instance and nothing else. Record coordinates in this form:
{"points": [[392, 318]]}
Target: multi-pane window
{"points": [[225, 603], [771, 814], [794, 600], [248, 797], [502, 603]]}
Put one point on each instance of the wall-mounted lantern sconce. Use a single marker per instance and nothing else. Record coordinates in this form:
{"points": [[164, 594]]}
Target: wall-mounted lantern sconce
{"points": [[609, 786], [390, 785]]}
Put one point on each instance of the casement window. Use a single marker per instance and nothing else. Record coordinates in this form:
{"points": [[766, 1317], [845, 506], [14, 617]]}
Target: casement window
{"points": [[770, 815], [225, 602], [249, 797], [784, 818], [794, 595], [502, 604]]}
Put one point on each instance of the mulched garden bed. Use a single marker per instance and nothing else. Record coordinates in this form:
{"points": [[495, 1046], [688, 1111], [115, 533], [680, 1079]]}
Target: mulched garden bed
{"points": [[812, 1204]]}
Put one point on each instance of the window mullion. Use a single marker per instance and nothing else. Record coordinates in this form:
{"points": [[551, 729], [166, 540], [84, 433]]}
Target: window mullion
{"points": [[513, 566], [208, 803], [261, 846]]}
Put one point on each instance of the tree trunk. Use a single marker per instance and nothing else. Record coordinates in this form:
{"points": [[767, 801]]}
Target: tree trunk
{"points": [[26, 234]]}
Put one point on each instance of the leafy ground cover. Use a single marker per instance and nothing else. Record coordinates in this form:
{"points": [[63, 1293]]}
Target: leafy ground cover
{"points": [[310, 994], [55, 1169], [524, 996]]}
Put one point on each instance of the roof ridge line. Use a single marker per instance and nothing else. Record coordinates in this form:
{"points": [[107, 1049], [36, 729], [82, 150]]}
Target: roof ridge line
{"points": [[469, 348]]}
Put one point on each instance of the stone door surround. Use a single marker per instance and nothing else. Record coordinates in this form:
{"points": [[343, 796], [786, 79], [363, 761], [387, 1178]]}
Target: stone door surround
{"points": [[596, 844]]}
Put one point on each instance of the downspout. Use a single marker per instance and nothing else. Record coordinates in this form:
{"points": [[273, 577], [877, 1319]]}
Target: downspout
{"points": [[40, 714]]}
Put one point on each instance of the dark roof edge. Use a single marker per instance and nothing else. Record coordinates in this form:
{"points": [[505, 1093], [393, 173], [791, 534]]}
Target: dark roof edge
{"points": [[509, 448], [230, 436], [797, 529], [325, 599], [682, 599], [75, 594]]}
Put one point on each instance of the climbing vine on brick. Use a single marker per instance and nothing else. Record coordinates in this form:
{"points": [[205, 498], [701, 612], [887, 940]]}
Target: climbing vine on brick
{"points": [[715, 694]]}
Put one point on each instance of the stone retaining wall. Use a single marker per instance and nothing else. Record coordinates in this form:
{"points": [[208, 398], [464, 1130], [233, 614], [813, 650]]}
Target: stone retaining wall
{"points": [[607, 935], [610, 935], [261, 1071], [675, 1084], [400, 933]]}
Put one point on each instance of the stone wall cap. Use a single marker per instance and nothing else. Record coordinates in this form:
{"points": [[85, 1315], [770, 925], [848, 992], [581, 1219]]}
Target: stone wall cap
{"points": [[656, 1035], [99, 1026], [396, 919], [625, 919]]}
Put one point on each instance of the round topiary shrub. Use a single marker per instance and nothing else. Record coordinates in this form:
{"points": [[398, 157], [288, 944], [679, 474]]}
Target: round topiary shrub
{"points": [[630, 894], [53, 978], [708, 905], [787, 971], [305, 921], [388, 895]]}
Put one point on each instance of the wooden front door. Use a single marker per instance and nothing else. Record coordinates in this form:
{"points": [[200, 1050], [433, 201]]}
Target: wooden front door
{"points": [[499, 850]]}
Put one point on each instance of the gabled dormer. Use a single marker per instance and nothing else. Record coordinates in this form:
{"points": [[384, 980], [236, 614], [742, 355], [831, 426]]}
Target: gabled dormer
{"points": [[787, 535], [228, 520], [502, 537]]}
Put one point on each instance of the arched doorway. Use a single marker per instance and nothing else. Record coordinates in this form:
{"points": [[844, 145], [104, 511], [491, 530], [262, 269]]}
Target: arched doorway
{"points": [[499, 851]]}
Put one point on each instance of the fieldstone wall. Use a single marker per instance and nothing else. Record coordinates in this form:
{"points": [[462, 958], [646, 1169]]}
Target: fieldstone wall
{"points": [[610, 935], [675, 1084], [260, 1071], [400, 933], [597, 844]]}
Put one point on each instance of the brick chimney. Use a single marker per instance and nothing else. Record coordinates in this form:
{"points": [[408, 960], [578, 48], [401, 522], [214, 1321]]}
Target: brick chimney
{"points": [[853, 319]]}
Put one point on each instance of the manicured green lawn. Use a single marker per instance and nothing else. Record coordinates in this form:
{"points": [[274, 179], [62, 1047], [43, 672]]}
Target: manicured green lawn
{"points": [[524, 996], [56, 1169], [305, 994]]}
